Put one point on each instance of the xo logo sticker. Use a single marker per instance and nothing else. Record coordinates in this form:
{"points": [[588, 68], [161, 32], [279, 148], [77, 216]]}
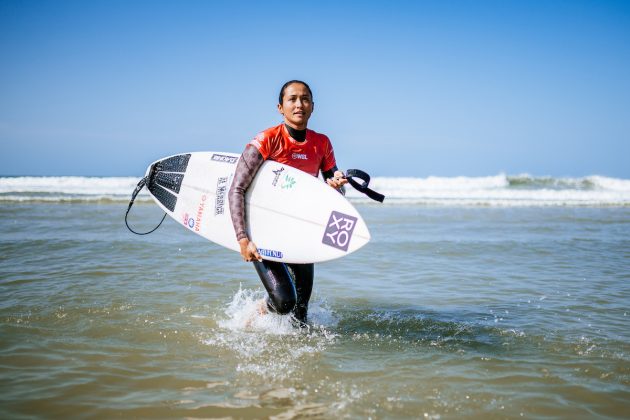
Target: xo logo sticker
{"points": [[339, 230]]}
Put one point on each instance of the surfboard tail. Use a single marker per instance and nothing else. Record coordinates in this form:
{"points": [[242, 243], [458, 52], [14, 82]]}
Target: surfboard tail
{"points": [[165, 179]]}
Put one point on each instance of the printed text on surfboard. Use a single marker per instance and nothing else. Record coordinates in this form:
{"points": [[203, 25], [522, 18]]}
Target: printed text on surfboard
{"points": [[339, 230]]}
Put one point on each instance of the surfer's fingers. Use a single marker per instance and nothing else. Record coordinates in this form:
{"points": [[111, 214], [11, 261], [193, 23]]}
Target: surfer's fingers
{"points": [[253, 251], [336, 182], [339, 178]]}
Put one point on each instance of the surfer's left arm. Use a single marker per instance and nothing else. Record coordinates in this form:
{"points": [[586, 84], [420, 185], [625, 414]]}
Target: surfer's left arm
{"points": [[333, 176], [336, 179]]}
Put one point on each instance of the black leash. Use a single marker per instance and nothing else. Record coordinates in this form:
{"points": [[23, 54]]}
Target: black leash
{"points": [[351, 174], [140, 185]]}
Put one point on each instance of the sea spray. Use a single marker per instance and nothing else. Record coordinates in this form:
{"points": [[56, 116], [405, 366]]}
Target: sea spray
{"points": [[269, 344]]}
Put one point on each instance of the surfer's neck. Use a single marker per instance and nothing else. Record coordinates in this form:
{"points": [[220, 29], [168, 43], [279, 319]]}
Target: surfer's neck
{"points": [[298, 135]]}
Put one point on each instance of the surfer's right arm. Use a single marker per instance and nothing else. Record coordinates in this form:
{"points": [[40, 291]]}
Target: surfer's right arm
{"points": [[246, 169]]}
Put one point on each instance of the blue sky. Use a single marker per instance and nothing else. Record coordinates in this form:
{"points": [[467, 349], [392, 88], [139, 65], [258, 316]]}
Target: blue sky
{"points": [[402, 88]]}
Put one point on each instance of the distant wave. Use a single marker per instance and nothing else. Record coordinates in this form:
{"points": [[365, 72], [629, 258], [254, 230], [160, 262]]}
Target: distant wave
{"points": [[68, 189], [494, 191]]}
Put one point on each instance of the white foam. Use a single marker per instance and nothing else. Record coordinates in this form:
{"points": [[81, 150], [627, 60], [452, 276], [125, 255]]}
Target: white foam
{"points": [[495, 191], [69, 185], [610, 184], [243, 314], [500, 191], [269, 345], [69, 189]]}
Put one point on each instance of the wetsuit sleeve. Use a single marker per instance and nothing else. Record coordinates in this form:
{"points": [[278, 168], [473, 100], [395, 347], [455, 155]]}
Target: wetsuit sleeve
{"points": [[262, 143], [329, 161], [329, 173], [329, 165], [246, 170]]}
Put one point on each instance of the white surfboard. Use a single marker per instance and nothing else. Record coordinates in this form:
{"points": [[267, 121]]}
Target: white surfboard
{"points": [[291, 216]]}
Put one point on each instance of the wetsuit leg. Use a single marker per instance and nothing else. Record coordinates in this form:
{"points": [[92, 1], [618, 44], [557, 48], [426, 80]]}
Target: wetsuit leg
{"points": [[303, 277], [279, 284]]}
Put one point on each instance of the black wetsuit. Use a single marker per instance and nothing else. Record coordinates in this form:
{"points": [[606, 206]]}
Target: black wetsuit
{"points": [[289, 285]]}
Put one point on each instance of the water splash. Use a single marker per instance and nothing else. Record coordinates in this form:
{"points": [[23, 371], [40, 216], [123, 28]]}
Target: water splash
{"points": [[270, 345]]}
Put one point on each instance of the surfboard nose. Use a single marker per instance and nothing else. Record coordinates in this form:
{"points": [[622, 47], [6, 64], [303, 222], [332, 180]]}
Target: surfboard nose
{"points": [[361, 235], [363, 231]]}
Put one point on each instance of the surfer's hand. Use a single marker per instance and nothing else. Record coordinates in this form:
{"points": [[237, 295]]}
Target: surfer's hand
{"points": [[249, 251], [338, 180]]}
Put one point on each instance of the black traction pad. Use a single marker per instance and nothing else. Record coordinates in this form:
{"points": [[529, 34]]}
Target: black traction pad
{"points": [[167, 199], [173, 164], [167, 175], [169, 180]]}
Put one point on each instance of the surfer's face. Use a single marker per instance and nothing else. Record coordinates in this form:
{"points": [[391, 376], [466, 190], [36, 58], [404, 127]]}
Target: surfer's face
{"points": [[296, 106]]}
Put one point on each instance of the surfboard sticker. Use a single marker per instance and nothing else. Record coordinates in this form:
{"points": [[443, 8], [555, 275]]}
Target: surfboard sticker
{"points": [[339, 230], [220, 198], [218, 157], [277, 174], [270, 253]]}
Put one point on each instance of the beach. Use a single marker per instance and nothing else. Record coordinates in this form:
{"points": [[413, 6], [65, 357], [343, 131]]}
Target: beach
{"points": [[492, 297]]}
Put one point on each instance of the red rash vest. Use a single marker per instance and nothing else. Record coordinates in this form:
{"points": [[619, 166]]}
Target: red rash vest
{"points": [[313, 154]]}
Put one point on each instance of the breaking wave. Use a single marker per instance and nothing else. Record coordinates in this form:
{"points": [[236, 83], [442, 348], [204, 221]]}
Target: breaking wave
{"points": [[494, 191]]}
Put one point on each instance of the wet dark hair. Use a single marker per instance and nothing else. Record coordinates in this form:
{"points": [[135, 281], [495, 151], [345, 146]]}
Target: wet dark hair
{"points": [[290, 82]]}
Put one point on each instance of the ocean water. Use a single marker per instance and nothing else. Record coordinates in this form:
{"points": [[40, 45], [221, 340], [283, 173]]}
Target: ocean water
{"points": [[496, 297]]}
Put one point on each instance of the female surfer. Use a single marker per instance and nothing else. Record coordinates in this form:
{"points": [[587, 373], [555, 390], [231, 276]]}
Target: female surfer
{"points": [[289, 286]]}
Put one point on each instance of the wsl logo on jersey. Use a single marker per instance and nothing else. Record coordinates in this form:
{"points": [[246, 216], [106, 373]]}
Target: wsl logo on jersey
{"points": [[339, 230]]}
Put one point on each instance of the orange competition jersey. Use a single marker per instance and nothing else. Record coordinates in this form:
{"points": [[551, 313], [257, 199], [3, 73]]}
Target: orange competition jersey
{"points": [[313, 154]]}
